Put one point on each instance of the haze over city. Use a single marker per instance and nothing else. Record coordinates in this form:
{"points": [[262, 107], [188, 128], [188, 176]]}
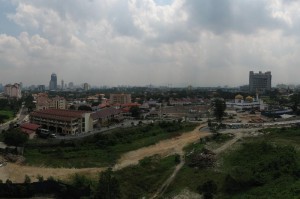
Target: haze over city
{"points": [[141, 42]]}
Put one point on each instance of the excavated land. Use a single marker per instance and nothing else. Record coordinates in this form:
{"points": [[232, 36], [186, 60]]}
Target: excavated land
{"points": [[16, 173]]}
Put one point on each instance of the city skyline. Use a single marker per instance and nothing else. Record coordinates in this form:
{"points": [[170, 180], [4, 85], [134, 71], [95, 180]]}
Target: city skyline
{"points": [[178, 42]]}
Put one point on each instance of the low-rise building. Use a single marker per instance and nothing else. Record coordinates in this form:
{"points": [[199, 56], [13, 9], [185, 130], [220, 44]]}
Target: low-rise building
{"points": [[105, 116], [63, 121], [30, 129], [72, 122], [247, 103], [44, 102]]}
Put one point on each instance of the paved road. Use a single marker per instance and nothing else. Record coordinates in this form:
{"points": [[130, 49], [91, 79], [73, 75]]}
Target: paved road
{"points": [[18, 119]]}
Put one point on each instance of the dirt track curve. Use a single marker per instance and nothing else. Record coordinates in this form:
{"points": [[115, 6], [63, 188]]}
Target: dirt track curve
{"points": [[16, 173]]}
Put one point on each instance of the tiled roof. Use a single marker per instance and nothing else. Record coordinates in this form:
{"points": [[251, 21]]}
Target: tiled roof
{"points": [[131, 104], [106, 112], [58, 114], [30, 126]]}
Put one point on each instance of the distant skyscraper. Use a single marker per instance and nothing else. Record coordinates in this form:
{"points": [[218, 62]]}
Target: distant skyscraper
{"points": [[53, 82], [260, 82], [71, 85], [86, 86], [41, 88], [62, 84]]}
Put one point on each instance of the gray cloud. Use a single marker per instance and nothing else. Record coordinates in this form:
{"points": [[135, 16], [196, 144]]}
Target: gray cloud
{"points": [[232, 15], [138, 42]]}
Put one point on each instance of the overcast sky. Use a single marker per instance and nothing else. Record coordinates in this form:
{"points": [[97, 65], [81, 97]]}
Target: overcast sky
{"points": [[142, 42]]}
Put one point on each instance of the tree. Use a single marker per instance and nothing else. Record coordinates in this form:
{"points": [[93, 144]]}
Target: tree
{"points": [[29, 103], [295, 99], [219, 107], [208, 189], [84, 108], [135, 111], [3, 118], [108, 186], [27, 179], [40, 178], [72, 107], [15, 137]]}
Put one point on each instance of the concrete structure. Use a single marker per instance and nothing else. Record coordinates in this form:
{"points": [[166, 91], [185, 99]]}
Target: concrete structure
{"points": [[63, 121], [62, 85], [105, 116], [72, 122], [260, 82], [30, 129], [41, 88], [120, 98], [44, 102], [71, 85], [53, 82], [13, 90], [86, 86], [248, 103]]}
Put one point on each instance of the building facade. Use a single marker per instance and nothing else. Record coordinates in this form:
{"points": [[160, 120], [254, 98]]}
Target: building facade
{"points": [[120, 98], [71, 122], [53, 82], [86, 86], [44, 102], [63, 121], [248, 103], [260, 82], [13, 90]]}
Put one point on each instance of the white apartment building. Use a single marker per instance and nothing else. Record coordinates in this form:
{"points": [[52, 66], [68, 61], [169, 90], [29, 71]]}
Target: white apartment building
{"points": [[13, 90]]}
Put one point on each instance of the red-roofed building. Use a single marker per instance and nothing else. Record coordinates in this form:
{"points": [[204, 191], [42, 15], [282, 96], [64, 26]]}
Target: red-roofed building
{"points": [[30, 129], [63, 121], [74, 122], [106, 115]]}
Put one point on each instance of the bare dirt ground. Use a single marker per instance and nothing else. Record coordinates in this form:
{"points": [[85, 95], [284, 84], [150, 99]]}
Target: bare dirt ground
{"points": [[163, 148], [16, 173], [220, 149]]}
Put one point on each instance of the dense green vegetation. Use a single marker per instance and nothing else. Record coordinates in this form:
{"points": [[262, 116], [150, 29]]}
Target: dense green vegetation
{"points": [[102, 149], [248, 171], [8, 109], [143, 180], [5, 115], [262, 167], [132, 182], [14, 137]]}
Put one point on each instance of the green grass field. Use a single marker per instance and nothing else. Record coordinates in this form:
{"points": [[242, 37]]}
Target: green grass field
{"points": [[144, 179], [100, 150], [260, 167], [6, 115]]}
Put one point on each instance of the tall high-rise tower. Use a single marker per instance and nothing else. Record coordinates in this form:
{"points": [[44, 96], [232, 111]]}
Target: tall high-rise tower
{"points": [[53, 82], [260, 82]]}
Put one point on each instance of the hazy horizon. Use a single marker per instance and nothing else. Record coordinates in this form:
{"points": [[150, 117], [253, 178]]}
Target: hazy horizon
{"points": [[143, 42]]}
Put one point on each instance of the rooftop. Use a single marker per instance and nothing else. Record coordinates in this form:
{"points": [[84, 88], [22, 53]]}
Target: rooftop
{"points": [[59, 114], [103, 113]]}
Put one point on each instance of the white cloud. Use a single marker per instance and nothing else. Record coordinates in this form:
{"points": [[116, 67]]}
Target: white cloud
{"points": [[181, 42]]}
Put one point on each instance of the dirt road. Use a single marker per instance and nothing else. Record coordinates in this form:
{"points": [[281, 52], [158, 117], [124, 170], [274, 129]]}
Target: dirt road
{"points": [[225, 146], [220, 149], [16, 173], [163, 148]]}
